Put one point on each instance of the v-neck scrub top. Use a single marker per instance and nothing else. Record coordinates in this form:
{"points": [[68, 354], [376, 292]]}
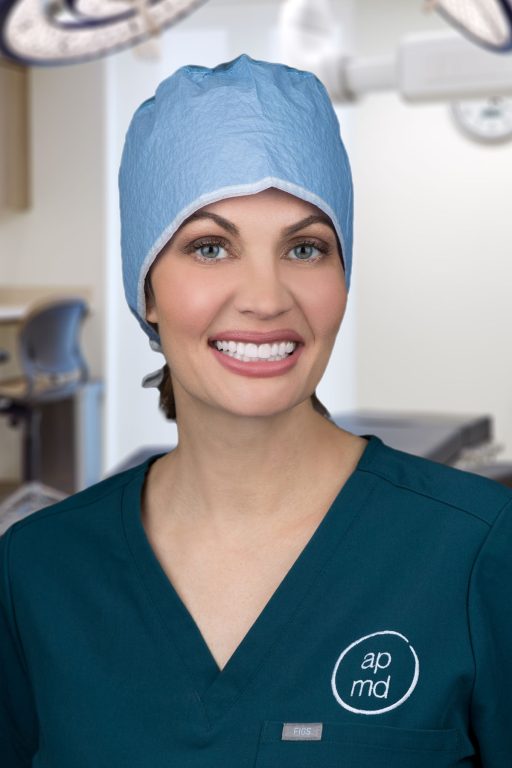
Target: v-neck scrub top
{"points": [[388, 644]]}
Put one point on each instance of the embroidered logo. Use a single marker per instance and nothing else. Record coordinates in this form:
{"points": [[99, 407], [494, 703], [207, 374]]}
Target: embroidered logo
{"points": [[376, 673]]}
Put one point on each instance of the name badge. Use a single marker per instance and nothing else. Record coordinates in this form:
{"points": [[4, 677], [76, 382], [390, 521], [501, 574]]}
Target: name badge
{"points": [[302, 732]]}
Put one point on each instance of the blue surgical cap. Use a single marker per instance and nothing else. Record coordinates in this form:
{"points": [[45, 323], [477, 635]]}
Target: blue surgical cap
{"points": [[209, 134]]}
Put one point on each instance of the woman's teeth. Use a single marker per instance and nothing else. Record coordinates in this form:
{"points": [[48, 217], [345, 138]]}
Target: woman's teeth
{"points": [[250, 353]]}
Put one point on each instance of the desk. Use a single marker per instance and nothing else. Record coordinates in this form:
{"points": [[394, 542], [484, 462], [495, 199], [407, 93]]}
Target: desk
{"points": [[16, 301], [12, 313]]}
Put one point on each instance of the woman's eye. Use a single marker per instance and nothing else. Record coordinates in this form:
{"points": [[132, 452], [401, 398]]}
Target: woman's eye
{"points": [[209, 251], [306, 252]]}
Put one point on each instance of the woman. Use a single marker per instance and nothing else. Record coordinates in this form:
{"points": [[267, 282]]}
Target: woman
{"points": [[275, 591]]}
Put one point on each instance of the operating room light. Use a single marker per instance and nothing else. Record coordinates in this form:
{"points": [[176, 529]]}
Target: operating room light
{"points": [[486, 22], [67, 31], [430, 66]]}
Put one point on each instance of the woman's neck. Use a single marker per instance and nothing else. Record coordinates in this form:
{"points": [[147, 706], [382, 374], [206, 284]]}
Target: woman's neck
{"points": [[232, 471]]}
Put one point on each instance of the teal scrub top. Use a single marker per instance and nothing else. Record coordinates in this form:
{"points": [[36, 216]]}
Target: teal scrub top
{"points": [[388, 644]]}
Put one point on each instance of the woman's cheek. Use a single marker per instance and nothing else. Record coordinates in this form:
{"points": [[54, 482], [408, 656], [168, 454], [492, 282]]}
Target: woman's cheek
{"points": [[190, 305], [327, 301]]}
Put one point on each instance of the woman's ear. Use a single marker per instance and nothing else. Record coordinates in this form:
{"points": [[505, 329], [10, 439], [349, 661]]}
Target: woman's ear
{"points": [[151, 314]]}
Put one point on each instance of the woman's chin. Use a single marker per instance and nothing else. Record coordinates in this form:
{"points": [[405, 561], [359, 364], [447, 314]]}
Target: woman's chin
{"points": [[260, 407]]}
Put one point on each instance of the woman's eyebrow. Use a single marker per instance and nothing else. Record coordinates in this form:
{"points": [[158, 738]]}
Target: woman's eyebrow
{"points": [[313, 219], [230, 227], [220, 220]]}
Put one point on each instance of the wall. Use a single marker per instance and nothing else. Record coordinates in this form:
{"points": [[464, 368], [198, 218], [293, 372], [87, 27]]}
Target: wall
{"points": [[432, 250], [60, 240]]}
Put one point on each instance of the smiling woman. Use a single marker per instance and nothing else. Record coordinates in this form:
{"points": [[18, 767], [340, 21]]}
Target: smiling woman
{"points": [[305, 256], [275, 591]]}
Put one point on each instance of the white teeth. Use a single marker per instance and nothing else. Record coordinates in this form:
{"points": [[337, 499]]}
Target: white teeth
{"points": [[251, 352]]}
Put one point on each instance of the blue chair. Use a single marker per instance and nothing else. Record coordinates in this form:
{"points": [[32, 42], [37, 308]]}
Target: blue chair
{"points": [[52, 366]]}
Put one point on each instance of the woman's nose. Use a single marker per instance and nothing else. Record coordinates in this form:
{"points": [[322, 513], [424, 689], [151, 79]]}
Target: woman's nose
{"points": [[262, 290]]}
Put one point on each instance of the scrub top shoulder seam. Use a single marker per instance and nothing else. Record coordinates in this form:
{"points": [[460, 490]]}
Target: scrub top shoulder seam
{"points": [[412, 489], [72, 504]]}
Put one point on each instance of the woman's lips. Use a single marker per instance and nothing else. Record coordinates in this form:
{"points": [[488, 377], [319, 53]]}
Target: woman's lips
{"points": [[258, 368], [258, 337]]}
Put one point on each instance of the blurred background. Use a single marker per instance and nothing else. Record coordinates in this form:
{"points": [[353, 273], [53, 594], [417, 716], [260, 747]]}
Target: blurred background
{"points": [[423, 357]]}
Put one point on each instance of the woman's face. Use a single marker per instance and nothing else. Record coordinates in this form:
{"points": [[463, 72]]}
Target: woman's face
{"points": [[236, 271]]}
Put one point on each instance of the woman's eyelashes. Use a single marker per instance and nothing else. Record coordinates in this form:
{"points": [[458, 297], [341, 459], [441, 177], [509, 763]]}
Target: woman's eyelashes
{"points": [[208, 249], [215, 249], [304, 250]]}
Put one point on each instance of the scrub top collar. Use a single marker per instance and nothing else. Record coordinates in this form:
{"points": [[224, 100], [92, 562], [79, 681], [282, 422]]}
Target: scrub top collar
{"points": [[217, 690]]}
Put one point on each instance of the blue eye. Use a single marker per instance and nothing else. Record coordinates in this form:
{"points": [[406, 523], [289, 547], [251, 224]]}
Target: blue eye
{"points": [[208, 250], [305, 252]]}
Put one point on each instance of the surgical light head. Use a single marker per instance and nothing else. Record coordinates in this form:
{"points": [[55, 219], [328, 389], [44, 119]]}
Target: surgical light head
{"points": [[210, 134], [486, 22]]}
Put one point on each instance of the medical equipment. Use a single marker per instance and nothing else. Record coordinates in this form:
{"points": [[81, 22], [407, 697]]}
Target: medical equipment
{"points": [[68, 31], [486, 22], [425, 67]]}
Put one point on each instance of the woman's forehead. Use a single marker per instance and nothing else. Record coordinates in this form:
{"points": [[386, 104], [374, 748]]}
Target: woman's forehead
{"points": [[270, 197]]}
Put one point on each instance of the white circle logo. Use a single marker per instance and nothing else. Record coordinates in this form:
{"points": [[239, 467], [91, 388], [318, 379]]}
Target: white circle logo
{"points": [[376, 673]]}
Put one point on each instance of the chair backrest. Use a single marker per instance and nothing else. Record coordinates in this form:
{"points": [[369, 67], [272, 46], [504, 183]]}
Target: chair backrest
{"points": [[49, 348]]}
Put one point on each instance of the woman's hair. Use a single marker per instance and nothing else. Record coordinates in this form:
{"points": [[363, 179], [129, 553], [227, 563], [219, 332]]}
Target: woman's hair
{"points": [[167, 403]]}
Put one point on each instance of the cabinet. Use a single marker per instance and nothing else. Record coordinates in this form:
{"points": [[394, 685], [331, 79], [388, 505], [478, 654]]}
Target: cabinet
{"points": [[14, 136]]}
